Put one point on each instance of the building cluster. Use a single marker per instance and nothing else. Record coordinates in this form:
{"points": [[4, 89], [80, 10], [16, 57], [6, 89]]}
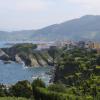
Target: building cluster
{"points": [[90, 45], [58, 44], [41, 46], [69, 44]]}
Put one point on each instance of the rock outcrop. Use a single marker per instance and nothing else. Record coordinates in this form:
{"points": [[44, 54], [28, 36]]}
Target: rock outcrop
{"points": [[4, 56], [26, 53]]}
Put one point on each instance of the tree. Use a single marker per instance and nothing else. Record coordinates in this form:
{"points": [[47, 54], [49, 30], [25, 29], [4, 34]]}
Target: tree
{"points": [[2, 90], [21, 89], [57, 87], [53, 51], [38, 83]]}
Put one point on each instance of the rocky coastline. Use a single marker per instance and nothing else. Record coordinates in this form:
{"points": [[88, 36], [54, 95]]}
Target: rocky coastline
{"points": [[27, 54]]}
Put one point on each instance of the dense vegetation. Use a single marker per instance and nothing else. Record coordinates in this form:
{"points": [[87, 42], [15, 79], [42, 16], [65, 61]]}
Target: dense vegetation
{"points": [[76, 77], [12, 98], [79, 70]]}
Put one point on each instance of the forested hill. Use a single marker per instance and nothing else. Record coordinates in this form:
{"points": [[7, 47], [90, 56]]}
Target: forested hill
{"points": [[79, 70], [86, 27]]}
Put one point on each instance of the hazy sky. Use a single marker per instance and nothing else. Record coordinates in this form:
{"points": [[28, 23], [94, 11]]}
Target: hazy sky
{"points": [[34, 14]]}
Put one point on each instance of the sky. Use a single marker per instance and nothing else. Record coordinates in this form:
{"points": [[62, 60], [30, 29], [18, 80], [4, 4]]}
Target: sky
{"points": [[35, 14]]}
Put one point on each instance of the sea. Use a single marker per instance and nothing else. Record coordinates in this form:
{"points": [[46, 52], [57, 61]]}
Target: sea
{"points": [[13, 72]]}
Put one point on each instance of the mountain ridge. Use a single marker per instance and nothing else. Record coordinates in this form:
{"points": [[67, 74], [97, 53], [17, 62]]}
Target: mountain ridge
{"points": [[85, 27]]}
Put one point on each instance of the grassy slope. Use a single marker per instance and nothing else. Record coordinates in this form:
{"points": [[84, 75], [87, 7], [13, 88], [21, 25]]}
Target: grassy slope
{"points": [[12, 98]]}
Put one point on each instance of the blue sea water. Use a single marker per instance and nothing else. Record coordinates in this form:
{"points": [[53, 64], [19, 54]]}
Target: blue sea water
{"points": [[14, 72]]}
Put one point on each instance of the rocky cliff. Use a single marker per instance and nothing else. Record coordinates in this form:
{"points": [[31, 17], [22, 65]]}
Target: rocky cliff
{"points": [[26, 53]]}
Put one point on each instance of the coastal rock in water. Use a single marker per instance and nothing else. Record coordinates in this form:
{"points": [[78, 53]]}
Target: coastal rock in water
{"points": [[18, 59], [34, 62], [1, 53], [4, 56]]}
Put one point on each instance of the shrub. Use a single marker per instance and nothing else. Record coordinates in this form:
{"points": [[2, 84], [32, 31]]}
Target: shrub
{"points": [[57, 88], [45, 94], [38, 83], [13, 98], [2, 90], [21, 89]]}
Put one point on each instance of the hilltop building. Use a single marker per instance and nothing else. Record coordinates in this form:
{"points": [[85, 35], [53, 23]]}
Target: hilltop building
{"points": [[93, 45]]}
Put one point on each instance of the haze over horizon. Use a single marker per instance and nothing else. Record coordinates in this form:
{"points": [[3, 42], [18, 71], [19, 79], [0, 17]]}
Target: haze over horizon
{"points": [[35, 14]]}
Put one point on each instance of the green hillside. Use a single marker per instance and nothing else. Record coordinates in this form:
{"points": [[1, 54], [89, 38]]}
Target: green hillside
{"points": [[13, 98]]}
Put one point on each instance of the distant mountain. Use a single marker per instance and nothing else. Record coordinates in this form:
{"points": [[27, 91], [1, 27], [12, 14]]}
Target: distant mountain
{"points": [[86, 27]]}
